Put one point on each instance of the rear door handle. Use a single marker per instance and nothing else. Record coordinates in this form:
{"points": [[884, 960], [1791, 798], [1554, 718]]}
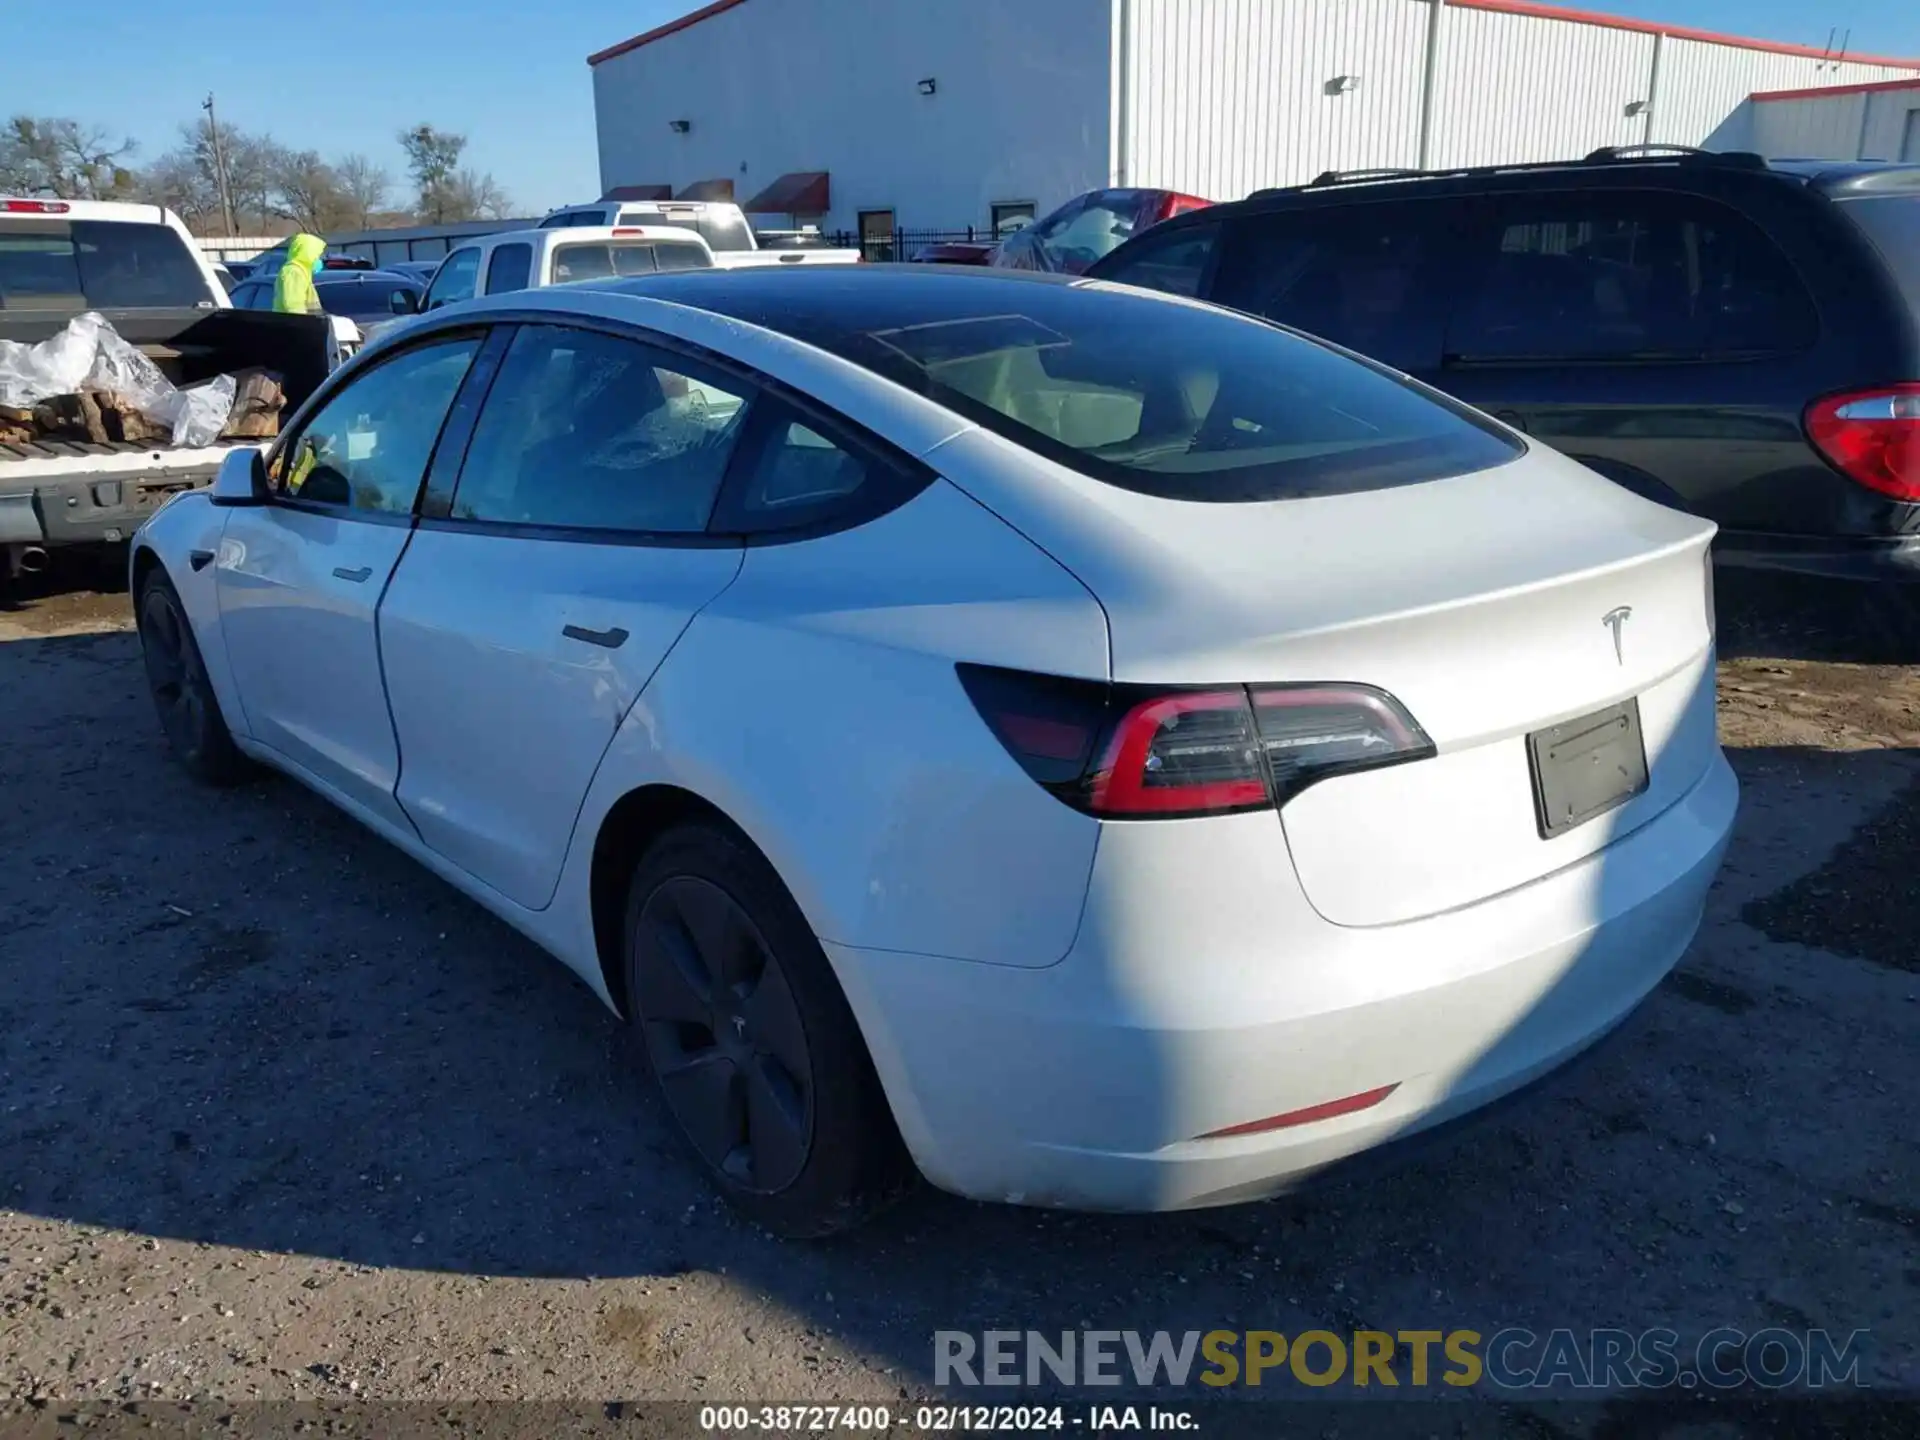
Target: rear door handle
{"points": [[356, 576], [199, 559], [607, 639]]}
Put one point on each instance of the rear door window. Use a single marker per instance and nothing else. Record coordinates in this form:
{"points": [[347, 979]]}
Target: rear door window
{"points": [[1624, 277], [1892, 222], [509, 267], [589, 431], [1354, 274]]}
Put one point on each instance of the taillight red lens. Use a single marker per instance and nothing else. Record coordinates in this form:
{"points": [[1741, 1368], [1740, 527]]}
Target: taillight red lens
{"points": [[1872, 436], [35, 207], [1140, 752], [1190, 753]]}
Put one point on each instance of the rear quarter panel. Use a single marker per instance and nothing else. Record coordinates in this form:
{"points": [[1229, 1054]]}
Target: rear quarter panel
{"points": [[815, 703]]}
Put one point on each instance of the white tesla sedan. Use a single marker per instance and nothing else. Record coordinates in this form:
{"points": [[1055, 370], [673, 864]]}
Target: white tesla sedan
{"points": [[1101, 749]]}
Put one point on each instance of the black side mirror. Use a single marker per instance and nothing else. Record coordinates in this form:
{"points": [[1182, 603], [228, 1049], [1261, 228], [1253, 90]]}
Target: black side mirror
{"points": [[242, 478], [404, 302]]}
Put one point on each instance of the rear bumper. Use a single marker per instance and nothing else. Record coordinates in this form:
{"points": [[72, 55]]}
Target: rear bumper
{"points": [[1203, 992], [1840, 557], [102, 505]]}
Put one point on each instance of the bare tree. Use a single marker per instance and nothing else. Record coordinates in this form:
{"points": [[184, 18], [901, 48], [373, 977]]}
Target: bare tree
{"points": [[308, 191], [475, 195], [365, 187], [63, 158], [177, 181]]}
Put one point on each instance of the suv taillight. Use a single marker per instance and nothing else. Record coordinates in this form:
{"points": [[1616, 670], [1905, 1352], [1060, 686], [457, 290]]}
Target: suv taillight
{"points": [[35, 207], [1128, 751], [1872, 436]]}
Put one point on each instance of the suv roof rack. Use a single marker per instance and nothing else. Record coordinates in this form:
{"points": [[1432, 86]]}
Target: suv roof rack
{"points": [[1609, 154], [1381, 172], [1737, 159]]}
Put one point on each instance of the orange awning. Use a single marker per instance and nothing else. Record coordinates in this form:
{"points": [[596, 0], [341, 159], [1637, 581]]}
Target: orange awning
{"points": [[802, 192]]}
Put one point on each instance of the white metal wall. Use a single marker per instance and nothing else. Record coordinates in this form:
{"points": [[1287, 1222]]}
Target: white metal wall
{"points": [[1702, 84], [1020, 109], [1864, 125], [1228, 96]]}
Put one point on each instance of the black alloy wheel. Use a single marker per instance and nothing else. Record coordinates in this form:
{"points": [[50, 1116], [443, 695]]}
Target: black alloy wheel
{"points": [[725, 1034], [758, 1054], [182, 694]]}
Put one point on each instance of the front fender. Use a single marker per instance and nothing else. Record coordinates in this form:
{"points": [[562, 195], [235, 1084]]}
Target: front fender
{"points": [[187, 526]]}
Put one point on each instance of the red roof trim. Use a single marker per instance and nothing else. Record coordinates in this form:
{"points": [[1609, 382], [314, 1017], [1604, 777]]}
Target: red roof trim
{"points": [[1679, 32], [705, 12], [1819, 90], [1504, 7]]}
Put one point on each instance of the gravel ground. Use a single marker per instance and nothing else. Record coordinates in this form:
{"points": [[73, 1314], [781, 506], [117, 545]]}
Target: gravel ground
{"points": [[285, 1117]]}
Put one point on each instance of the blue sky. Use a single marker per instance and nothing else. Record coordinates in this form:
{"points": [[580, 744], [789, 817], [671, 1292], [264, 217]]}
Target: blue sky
{"points": [[511, 74]]}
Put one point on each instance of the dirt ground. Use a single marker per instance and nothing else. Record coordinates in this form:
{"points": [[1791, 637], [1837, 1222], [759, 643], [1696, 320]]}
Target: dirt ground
{"points": [[284, 1116]]}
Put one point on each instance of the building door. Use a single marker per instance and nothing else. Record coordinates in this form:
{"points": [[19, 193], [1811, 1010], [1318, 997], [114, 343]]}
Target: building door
{"points": [[876, 234], [1910, 139]]}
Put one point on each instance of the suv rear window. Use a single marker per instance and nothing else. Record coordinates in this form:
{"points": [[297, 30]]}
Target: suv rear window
{"points": [[1167, 398], [1892, 222], [1627, 276], [97, 265]]}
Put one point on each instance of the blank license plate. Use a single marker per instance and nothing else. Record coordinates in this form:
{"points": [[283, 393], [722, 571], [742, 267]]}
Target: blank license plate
{"points": [[1583, 768]]}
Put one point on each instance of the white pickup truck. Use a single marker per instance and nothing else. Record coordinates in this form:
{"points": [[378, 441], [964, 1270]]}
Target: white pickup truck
{"points": [[531, 259], [721, 224], [137, 266]]}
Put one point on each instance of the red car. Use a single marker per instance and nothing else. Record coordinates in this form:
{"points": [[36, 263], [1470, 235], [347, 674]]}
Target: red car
{"points": [[1071, 238]]}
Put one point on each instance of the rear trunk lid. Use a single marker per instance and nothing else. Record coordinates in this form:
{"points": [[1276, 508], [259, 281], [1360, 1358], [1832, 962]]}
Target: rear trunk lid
{"points": [[1492, 605]]}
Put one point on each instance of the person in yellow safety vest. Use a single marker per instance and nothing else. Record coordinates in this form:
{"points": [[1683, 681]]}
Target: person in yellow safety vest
{"points": [[293, 292]]}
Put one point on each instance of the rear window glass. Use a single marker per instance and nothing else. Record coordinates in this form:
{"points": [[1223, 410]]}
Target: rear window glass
{"points": [[598, 260], [1168, 398], [97, 265], [1892, 222]]}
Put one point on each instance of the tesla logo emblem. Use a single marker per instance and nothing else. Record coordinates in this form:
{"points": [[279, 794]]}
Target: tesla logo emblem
{"points": [[1616, 621], [740, 1026]]}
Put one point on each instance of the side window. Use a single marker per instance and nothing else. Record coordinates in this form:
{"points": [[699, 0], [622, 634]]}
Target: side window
{"points": [[581, 262], [1169, 261], [509, 267], [591, 431], [1349, 274], [368, 446], [1627, 276], [455, 279], [251, 296], [797, 469]]}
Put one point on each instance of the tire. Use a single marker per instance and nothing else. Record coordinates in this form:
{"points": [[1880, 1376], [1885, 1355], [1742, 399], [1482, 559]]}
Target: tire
{"points": [[766, 1075], [182, 695]]}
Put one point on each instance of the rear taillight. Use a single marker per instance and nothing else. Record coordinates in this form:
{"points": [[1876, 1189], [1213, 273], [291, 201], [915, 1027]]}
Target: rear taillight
{"points": [[1130, 751], [35, 207], [1872, 436]]}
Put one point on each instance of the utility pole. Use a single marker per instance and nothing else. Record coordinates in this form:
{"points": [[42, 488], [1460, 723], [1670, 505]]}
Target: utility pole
{"points": [[219, 168]]}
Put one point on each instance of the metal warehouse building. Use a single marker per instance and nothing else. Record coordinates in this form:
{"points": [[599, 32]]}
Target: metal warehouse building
{"points": [[877, 114]]}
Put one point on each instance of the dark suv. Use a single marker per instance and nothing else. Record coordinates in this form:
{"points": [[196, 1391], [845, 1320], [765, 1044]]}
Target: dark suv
{"points": [[1729, 335]]}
